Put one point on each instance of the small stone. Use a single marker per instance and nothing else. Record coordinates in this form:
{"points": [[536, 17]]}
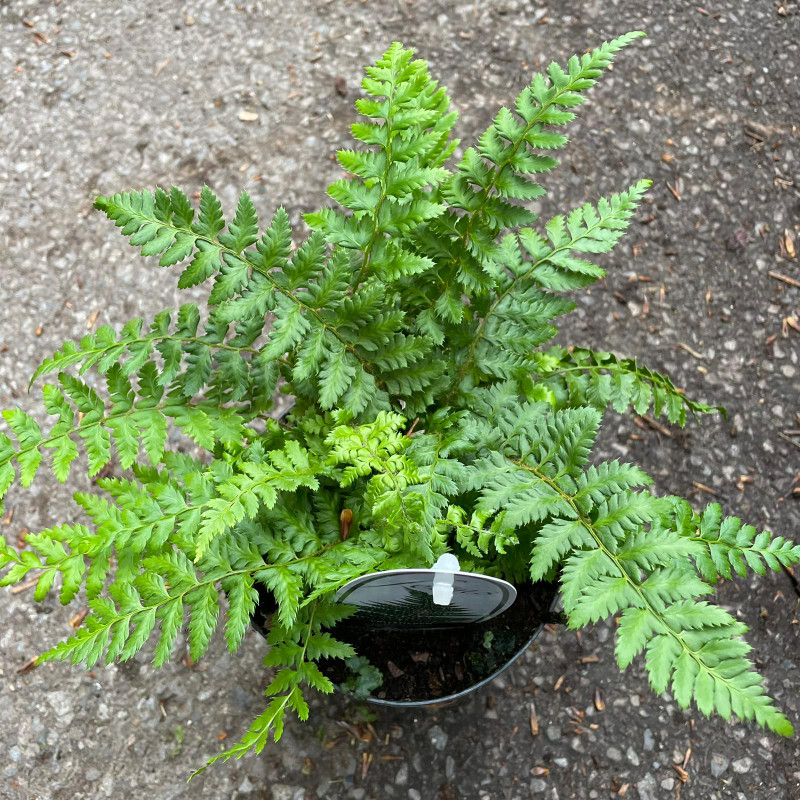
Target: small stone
{"points": [[61, 703], [92, 774], [449, 768], [553, 733], [668, 784], [401, 779], [282, 791], [538, 786], [614, 754], [560, 762], [357, 794], [647, 788], [742, 765], [438, 737], [577, 744], [649, 740], [788, 370], [323, 788], [718, 765], [632, 756], [413, 794]]}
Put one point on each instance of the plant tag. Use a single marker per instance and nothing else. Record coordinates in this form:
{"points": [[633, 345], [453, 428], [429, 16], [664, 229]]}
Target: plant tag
{"points": [[440, 597]]}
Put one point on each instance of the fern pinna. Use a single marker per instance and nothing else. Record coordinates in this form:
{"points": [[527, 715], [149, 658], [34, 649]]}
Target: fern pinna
{"points": [[413, 328]]}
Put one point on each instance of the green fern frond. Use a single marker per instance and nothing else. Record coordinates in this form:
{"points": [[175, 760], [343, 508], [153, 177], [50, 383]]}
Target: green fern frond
{"points": [[602, 379], [728, 547]]}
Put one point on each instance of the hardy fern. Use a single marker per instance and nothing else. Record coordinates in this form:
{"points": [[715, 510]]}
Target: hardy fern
{"points": [[432, 414]]}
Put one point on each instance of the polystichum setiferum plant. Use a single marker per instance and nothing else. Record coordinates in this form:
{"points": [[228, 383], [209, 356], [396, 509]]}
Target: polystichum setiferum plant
{"points": [[412, 329]]}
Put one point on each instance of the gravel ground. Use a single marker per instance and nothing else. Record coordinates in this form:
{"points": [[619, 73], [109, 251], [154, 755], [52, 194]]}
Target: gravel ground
{"points": [[96, 97]]}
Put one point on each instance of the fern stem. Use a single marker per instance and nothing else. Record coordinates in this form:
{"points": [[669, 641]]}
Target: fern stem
{"points": [[362, 273], [258, 734], [470, 356], [496, 173], [161, 406]]}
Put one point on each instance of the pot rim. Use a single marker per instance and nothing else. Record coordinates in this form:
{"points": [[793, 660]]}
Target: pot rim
{"points": [[454, 698]]}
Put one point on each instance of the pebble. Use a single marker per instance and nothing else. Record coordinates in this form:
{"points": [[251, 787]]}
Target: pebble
{"points": [[538, 786], [413, 794], [560, 762], [92, 774], [553, 733], [742, 765], [649, 739], [282, 791], [438, 737], [632, 756], [61, 702], [718, 765], [449, 768], [401, 779], [614, 754], [323, 788], [668, 784], [647, 788]]}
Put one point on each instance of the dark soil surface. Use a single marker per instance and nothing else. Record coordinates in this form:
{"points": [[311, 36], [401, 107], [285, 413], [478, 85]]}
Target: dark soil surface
{"points": [[98, 97], [418, 665]]}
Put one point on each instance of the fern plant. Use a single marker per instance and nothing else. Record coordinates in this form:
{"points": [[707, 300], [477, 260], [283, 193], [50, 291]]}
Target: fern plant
{"points": [[412, 329]]}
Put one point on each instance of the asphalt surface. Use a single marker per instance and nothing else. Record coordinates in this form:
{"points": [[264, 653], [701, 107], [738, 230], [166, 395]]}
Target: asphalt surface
{"points": [[99, 97]]}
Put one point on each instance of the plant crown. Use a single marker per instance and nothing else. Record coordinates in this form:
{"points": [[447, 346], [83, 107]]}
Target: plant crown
{"points": [[412, 328]]}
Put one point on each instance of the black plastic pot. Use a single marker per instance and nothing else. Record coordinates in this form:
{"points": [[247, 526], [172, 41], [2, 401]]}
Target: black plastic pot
{"points": [[267, 607], [262, 618]]}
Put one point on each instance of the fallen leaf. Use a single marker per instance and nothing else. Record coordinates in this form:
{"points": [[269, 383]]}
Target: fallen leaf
{"points": [[78, 619], [28, 665], [788, 241], [534, 720], [683, 775], [599, 702], [395, 671]]}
